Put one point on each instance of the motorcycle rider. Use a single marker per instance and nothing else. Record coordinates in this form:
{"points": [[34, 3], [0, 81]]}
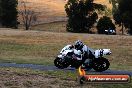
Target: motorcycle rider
{"points": [[83, 48], [80, 47], [86, 52], [80, 55]]}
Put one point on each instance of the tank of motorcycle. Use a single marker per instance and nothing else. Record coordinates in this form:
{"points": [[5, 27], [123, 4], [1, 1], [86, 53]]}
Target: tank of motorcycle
{"points": [[65, 52], [101, 52], [60, 56], [67, 47]]}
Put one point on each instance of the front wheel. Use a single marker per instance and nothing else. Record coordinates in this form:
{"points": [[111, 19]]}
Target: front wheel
{"points": [[60, 63], [57, 63], [100, 64]]}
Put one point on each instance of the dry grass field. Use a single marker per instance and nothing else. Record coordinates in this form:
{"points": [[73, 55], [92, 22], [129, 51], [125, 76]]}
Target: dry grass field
{"points": [[50, 10], [53, 10], [26, 78], [61, 28], [51, 27]]}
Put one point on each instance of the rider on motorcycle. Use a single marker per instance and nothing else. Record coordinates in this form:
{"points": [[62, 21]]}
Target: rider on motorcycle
{"points": [[80, 47], [85, 50], [78, 54]]}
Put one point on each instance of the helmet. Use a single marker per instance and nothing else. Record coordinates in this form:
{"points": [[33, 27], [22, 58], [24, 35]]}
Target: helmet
{"points": [[78, 45]]}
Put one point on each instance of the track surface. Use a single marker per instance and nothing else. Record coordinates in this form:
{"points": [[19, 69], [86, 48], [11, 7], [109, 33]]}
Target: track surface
{"points": [[53, 68]]}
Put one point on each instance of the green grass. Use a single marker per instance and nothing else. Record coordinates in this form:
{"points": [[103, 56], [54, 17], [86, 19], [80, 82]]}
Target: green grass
{"points": [[45, 54], [25, 53]]}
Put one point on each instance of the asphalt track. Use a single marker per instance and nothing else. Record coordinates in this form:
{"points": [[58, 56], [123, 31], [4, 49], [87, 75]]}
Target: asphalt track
{"points": [[53, 68]]}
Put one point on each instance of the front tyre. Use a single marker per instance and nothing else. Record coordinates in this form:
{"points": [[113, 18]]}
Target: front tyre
{"points": [[58, 63], [61, 63], [100, 64]]}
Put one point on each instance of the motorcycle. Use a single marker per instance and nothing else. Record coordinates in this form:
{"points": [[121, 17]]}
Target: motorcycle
{"points": [[74, 58]]}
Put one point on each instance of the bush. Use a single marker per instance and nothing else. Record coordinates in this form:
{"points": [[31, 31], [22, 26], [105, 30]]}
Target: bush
{"points": [[81, 15], [9, 13], [105, 23]]}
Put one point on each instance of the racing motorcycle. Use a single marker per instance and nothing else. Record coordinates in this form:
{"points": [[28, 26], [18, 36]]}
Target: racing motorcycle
{"points": [[74, 58]]}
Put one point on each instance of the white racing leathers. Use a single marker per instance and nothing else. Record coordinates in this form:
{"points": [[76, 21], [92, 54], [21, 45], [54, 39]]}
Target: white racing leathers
{"points": [[86, 52]]}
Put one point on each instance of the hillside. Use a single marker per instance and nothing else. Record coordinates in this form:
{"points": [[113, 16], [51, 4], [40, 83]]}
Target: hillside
{"points": [[53, 10]]}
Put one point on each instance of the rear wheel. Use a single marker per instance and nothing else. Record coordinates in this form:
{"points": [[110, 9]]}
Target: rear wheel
{"points": [[100, 64]]}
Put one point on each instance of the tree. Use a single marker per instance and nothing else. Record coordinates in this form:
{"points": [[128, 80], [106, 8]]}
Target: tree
{"points": [[9, 13], [0, 11], [104, 23], [122, 13], [28, 16], [81, 15]]}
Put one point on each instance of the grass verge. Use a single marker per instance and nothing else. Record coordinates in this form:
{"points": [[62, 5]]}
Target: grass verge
{"points": [[19, 78]]}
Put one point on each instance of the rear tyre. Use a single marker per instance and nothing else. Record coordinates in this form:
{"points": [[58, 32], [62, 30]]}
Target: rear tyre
{"points": [[100, 64]]}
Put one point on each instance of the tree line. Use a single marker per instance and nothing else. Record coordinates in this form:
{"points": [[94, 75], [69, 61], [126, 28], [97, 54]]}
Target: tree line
{"points": [[82, 15], [11, 9], [122, 13]]}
